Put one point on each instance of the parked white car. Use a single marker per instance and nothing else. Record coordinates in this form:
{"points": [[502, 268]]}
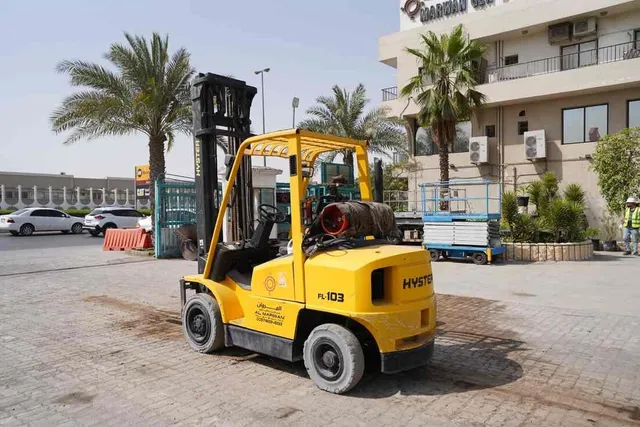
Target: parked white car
{"points": [[173, 217], [27, 221], [101, 219]]}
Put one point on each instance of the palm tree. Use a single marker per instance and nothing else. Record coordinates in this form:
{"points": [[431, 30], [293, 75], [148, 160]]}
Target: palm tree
{"points": [[444, 87], [147, 92], [343, 114]]}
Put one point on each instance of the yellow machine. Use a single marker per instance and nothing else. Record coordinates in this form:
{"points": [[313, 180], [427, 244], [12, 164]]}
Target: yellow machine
{"points": [[361, 301]]}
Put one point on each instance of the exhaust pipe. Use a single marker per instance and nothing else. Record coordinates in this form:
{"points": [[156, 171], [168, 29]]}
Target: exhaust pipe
{"points": [[378, 182]]}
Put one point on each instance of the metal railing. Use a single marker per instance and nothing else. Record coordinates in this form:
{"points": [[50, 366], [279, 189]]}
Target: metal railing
{"points": [[470, 198], [603, 55], [406, 202], [390, 93]]}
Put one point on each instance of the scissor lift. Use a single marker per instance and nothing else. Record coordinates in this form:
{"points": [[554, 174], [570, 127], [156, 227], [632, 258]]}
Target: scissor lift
{"points": [[462, 220]]}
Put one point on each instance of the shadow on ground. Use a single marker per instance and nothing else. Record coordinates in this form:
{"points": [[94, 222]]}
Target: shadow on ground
{"points": [[609, 256], [462, 362]]}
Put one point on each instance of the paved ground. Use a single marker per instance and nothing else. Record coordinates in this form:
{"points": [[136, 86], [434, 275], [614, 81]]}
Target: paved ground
{"points": [[94, 338], [46, 240]]}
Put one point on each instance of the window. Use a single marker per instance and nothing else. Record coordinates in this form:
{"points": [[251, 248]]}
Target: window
{"points": [[523, 127], [40, 213], [425, 146], [127, 212], [490, 131], [579, 55], [633, 111], [56, 214], [584, 124], [511, 60]]}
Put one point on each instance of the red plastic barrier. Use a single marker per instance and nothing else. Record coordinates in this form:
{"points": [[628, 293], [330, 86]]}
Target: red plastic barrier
{"points": [[116, 239], [144, 242]]}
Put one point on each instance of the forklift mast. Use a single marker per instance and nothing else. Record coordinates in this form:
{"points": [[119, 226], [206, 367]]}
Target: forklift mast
{"points": [[221, 112]]}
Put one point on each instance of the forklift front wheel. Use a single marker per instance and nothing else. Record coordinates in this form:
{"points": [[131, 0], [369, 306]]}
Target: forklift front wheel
{"points": [[334, 358], [202, 323]]}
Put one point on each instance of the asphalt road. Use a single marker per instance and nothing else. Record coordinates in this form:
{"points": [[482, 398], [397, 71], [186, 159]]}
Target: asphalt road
{"points": [[46, 240]]}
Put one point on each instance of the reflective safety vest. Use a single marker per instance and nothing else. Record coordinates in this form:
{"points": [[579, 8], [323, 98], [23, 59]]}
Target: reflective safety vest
{"points": [[635, 218]]}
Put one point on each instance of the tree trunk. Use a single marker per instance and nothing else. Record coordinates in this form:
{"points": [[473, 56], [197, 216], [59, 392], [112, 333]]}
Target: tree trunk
{"points": [[157, 169], [439, 138], [348, 160]]}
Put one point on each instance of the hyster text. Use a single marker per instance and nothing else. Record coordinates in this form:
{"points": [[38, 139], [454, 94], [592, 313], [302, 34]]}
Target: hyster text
{"points": [[417, 282]]}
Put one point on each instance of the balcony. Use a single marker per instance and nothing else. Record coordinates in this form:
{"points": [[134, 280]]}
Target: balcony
{"points": [[390, 93], [603, 55]]}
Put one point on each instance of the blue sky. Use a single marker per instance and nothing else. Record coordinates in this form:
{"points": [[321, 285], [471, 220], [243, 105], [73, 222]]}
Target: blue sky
{"points": [[309, 46]]}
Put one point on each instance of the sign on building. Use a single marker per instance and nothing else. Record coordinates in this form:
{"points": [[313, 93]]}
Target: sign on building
{"points": [[143, 182], [431, 10]]}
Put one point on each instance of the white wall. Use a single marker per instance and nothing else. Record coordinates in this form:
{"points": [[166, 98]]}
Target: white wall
{"points": [[618, 29]]}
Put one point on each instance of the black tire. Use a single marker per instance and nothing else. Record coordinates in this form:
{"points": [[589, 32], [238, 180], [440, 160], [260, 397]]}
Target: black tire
{"points": [[27, 229], [202, 323], [77, 228], [435, 254], [108, 226], [14, 233], [334, 358], [94, 233], [480, 258]]}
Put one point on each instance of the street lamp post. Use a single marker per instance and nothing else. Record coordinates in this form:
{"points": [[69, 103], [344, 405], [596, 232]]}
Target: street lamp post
{"points": [[295, 103], [261, 72]]}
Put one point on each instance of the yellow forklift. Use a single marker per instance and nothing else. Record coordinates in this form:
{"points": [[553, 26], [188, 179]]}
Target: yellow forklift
{"points": [[337, 295]]}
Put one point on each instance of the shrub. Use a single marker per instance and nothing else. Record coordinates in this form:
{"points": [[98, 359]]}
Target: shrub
{"points": [[616, 161], [558, 219], [575, 193], [509, 208]]}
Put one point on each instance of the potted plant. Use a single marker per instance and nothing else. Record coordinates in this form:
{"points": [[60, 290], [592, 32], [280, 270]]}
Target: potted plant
{"points": [[592, 233], [523, 197], [610, 232]]}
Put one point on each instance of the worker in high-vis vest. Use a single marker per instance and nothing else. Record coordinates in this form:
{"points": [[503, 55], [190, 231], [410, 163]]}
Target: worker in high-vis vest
{"points": [[631, 226]]}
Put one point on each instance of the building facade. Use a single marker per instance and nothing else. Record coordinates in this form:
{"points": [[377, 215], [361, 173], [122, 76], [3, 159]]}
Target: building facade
{"points": [[19, 190], [557, 74]]}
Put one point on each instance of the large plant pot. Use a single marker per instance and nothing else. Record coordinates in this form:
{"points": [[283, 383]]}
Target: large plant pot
{"points": [[596, 244], [610, 246], [523, 201]]}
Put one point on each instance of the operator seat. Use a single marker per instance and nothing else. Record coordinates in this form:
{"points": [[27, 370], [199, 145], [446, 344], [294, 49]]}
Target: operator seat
{"points": [[238, 259]]}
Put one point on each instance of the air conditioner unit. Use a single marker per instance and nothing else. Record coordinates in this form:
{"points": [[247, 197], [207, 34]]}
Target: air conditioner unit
{"points": [[560, 33], [479, 149], [585, 27], [535, 144]]}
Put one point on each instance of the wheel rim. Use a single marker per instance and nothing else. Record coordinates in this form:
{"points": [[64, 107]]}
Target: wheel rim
{"points": [[76, 228], [328, 360], [198, 324], [27, 230]]}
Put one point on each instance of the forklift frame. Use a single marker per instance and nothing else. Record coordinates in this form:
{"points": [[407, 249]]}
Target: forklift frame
{"points": [[302, 148]]}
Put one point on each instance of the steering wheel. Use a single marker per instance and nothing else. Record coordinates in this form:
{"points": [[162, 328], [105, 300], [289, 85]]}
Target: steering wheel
{"points": [[271, 213]]}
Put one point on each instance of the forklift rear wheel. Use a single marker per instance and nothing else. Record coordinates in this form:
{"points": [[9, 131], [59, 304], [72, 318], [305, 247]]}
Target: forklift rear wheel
{"points": [[202, 323], [435, 254], [334, 358], [480, 258]]}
